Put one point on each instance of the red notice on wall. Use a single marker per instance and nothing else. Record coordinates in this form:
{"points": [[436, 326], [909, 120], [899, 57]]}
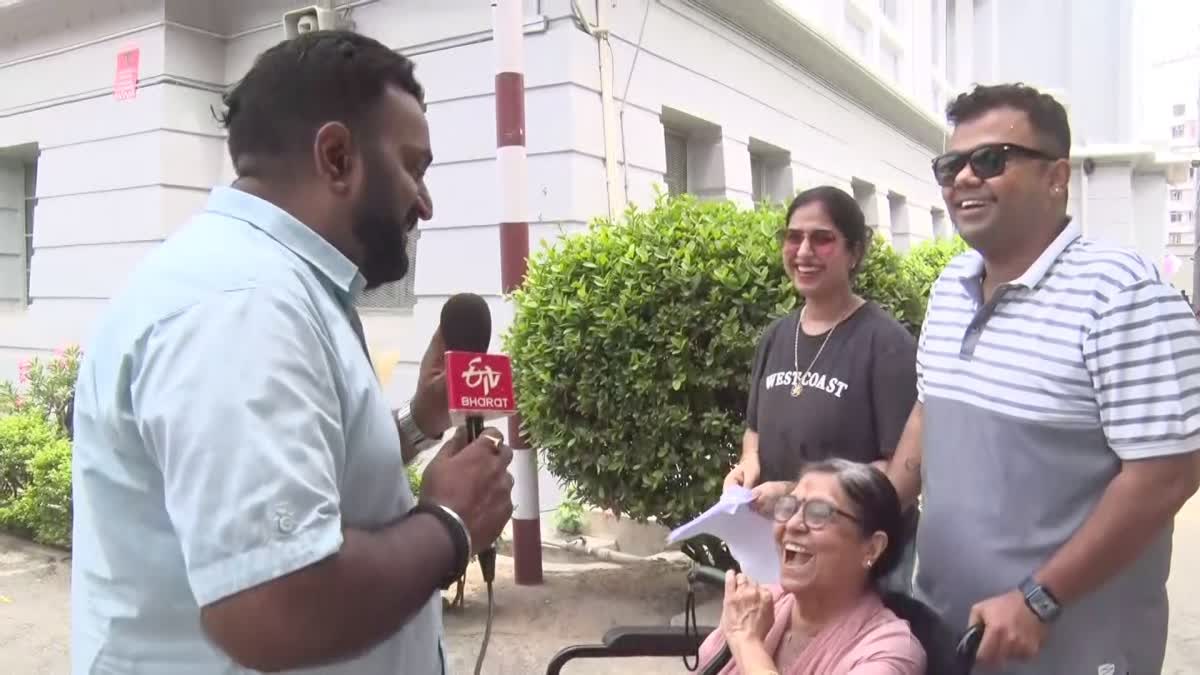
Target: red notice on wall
{"points": [[125, 84]]}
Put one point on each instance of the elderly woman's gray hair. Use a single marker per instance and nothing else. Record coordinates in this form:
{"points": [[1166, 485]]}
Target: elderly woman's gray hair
{"points": [[874, 498]]}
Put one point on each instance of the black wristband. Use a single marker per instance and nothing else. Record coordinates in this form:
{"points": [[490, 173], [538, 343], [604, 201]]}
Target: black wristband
{"points": [[458, 534]]}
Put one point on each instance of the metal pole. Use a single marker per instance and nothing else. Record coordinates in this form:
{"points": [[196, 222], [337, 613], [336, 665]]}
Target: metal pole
{"points": [[509, 36]]}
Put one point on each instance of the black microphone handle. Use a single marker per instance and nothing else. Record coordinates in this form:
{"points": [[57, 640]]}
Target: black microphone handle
{"points": [[487, 556], [474, 428]]}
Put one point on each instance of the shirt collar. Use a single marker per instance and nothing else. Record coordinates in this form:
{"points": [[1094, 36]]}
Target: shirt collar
{"points": [[292, 234], [972, 272]]}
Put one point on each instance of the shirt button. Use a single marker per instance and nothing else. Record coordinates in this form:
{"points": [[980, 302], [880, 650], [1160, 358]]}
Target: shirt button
{"points": [[286, 524]]}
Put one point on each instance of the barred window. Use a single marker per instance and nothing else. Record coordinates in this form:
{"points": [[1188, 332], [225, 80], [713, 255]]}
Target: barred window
{"points": [[397, 295]]}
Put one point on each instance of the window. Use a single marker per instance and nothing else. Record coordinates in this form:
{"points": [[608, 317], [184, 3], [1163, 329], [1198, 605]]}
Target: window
{"points": [[30, 203], [856, 35], [951, 41], [758, 178], [397, 294], [1177, 131], [1179, 109], [1176, 195], [1176, 216], [937, 33], [890, 62], [939, 224], [890, 9], [770, 172], [18, 200], [1175, 238], [676, 177], [693, 155]]}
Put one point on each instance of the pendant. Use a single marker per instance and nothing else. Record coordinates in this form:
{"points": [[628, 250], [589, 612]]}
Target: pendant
{"points": [[797, 389]]}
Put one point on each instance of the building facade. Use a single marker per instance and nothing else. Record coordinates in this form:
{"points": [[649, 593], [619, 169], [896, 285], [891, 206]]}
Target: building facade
{"points": [[91, 180], [738, 99]]}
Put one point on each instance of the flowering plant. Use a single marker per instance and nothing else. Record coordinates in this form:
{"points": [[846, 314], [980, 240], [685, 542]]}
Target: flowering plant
{"points": [[45, 387]]}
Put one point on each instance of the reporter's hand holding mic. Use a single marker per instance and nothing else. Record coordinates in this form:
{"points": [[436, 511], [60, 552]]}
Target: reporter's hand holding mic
{"points": [[472, 480]]}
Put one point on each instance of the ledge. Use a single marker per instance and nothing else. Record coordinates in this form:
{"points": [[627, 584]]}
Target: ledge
{"points": [[823, 57]]}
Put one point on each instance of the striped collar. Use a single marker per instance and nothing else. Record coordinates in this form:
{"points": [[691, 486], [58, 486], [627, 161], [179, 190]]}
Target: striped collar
{"points": [[971, 272]]}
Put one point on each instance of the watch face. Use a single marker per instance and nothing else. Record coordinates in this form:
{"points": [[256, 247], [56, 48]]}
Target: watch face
{"points": [[1042, 605]]}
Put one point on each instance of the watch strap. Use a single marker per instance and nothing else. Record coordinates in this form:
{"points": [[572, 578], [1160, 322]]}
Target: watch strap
{"points": [[459, 534], [1040, 600], [410, 433]]}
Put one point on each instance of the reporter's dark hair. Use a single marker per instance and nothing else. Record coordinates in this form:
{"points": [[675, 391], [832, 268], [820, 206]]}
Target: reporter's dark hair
{"points": [[300, 84], [1047, 116], [878, 506], [843, 210]]}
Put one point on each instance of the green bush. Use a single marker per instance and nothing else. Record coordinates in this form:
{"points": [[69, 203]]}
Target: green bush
{"points": [[568, 519], [632, 346], [46, 387], [35, 465], [923, 263], [414, 479]]}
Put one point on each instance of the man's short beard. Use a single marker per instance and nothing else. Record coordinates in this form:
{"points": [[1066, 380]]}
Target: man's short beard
{"points": [[385, 242]]}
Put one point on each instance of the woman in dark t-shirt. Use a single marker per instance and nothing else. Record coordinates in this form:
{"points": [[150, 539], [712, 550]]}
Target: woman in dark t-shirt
{"points": [[836, 378]]}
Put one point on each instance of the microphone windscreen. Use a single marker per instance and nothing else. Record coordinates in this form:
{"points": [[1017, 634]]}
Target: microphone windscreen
{"points": [[466, 323]]}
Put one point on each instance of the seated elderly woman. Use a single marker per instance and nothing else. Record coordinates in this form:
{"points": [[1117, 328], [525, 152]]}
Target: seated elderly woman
{"points": [[838, 533]]}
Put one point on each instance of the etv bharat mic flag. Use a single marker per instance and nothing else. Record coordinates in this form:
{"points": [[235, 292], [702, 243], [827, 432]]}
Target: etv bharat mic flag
{"points": [[479, 384]]}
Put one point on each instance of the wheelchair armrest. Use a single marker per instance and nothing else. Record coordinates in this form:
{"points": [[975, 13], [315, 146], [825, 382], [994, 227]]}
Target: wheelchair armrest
{"points": [[656, 640], [709, 576]]}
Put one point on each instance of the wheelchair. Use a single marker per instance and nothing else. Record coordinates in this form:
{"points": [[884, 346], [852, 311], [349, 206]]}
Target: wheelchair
{"points": [[946, 653]]}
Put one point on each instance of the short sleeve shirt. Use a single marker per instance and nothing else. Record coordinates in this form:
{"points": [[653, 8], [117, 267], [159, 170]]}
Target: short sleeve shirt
{"points": [[1032, 401], [854, 399], [228, 426]]}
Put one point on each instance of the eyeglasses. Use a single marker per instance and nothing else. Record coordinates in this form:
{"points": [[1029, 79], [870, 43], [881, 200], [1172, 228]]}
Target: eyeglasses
{"points": [[987, 161], [817, 239], [816, 513]]}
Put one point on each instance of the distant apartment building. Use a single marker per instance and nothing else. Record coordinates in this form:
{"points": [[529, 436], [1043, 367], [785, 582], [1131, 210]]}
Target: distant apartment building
{"points": [[1172, 124]]}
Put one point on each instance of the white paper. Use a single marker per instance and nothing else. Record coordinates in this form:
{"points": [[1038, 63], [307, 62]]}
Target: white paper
{"points": [[747, 533]]}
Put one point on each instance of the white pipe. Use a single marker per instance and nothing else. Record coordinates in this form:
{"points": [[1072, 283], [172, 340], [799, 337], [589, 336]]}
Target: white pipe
{"points": [[616, 192]]}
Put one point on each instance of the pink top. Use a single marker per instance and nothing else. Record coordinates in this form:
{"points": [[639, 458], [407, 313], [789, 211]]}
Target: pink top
{"points": [[867, 640]]}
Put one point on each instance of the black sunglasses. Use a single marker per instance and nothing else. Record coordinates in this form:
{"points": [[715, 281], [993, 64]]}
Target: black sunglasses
{"points": [[987, 161], [815, 512]]}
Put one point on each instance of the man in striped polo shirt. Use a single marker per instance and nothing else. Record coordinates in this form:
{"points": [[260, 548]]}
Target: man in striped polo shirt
{"points": [[1058, 416]]}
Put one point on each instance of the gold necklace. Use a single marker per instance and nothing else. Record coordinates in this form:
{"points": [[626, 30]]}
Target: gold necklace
{"points": [[798, 386]]}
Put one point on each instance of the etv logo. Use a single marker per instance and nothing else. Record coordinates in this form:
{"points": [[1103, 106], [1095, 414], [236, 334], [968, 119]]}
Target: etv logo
{"points": [[474, 378], [479, 384]]}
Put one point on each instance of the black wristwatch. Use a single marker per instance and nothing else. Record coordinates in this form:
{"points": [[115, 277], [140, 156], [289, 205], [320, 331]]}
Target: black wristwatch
{"points": [[458, 533], [1040, 600]]}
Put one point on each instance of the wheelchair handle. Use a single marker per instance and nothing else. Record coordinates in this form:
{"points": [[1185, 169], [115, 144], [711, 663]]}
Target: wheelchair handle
{"points": [[708, 575], [968, 645]]}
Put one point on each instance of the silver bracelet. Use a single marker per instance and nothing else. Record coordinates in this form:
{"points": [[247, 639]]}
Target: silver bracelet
{"points": [[458, 519]]}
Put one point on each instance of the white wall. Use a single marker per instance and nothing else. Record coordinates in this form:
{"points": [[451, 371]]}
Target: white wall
{"points": [[111, 174], [116, 177]]}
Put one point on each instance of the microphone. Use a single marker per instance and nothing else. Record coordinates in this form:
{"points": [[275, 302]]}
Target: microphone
{"points": [[479, 385]]}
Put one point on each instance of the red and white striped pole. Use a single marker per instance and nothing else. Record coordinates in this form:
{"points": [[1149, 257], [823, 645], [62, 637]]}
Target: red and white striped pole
{"points": [[509, 36]]}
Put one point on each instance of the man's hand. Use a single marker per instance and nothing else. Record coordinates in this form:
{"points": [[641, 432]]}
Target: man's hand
{"points": [[766, 494], [430, 406], [745, 474], [1011, 631], [474, 482]]}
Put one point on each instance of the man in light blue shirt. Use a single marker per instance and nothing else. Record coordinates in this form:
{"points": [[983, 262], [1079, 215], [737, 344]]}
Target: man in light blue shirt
{"points": [[241, 502]]}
